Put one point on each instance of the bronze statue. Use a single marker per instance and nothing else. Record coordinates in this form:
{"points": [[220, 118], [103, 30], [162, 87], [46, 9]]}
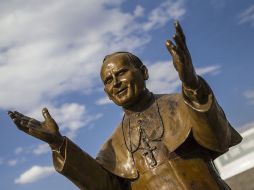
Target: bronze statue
{"points": [[164, 141]]}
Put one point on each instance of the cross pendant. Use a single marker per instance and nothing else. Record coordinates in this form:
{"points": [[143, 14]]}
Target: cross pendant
{"points": [[149, 156], [147, 148]]}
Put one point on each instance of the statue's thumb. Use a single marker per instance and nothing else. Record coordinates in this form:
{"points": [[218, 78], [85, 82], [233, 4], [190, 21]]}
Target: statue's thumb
{"points": [[46, 114]]}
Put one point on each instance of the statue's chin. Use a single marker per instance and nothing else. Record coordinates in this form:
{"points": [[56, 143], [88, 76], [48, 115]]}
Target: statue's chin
{"points": [[125, 101]]}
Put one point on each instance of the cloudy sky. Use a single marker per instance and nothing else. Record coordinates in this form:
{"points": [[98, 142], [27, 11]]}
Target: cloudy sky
{"points": [[51, 52]]}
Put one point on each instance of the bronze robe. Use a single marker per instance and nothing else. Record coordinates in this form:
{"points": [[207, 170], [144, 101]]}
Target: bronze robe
{"points": [[194, 134]]}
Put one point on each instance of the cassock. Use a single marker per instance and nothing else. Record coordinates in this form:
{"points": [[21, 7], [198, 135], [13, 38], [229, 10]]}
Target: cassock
{"points": [[168, 144]]}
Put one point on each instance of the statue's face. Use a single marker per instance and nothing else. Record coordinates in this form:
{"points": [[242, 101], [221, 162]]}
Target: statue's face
{"points": [[123, 82]]}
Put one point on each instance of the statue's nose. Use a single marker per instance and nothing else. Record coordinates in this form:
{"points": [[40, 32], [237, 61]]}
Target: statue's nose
{"points": [[116, 82]]}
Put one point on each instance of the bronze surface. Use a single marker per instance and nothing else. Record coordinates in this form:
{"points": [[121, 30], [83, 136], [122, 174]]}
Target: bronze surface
{"points": [[164, 142]]}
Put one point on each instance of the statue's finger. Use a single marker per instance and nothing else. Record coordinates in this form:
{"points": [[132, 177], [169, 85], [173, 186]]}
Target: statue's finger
{"points": [[179, 31], [21, 125], [46, 114], [11, 114], [16, 121], [171, 47], [180, 44], [31, 120], [25, 118], [14, 115], [33, 123], [14, 118], [18, 114]]}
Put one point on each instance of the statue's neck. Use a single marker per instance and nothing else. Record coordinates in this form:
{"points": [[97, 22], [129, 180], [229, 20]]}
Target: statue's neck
{"points": [[145, 100]]}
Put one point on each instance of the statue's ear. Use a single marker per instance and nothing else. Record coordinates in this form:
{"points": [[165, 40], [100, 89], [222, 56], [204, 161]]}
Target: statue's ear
{"points": [[144, 71]]}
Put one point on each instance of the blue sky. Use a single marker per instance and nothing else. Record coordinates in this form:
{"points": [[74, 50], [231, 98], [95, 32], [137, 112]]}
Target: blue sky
{"points": [[51, 52]]}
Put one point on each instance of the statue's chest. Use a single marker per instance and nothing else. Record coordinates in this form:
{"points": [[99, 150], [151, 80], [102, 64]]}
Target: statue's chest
{"points": [[149, 157], [143, 133], [183, 169]]}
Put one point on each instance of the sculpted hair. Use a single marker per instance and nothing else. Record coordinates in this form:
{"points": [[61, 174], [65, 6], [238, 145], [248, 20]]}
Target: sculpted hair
{"points": [[133, 59]]}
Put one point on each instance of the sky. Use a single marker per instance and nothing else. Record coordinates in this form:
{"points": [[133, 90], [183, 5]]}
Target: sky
{"points": [[50, 56]]}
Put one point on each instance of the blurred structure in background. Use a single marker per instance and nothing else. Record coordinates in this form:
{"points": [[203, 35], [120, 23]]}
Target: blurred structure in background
{"points": [[236, 166]]}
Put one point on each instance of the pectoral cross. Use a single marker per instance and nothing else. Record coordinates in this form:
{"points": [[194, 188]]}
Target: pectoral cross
{"points": [[148, 150]]}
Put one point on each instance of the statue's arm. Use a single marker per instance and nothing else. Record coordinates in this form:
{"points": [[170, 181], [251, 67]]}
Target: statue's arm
{"points": [[82, 169], [209, 124], [194, 88], [68, 158]]}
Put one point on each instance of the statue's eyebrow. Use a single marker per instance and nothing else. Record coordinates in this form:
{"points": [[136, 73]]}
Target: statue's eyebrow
{"points": [[121, 69], [108, 75]]}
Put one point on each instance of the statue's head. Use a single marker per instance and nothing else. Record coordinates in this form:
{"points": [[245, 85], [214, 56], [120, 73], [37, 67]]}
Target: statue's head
{"points": [[124, 75]]}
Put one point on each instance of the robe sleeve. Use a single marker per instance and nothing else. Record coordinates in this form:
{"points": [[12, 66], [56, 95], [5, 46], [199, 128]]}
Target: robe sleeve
{"points": [[209, 124], [83, 170]]}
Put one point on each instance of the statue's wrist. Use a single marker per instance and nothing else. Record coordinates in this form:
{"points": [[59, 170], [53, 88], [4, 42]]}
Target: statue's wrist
{"points": [[192, 84], [57, 144], [198, 94]]}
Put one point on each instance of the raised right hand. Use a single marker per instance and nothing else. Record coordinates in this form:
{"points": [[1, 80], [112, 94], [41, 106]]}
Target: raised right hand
{"points": [[46, 131], [182, 59]]}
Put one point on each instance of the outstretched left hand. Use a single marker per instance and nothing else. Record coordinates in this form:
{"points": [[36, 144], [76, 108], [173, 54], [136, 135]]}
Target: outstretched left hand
{"points": [[182, 59], [46, 131]]}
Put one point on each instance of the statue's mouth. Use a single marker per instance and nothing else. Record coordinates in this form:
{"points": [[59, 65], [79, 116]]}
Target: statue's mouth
{"points": [[121, 91]]}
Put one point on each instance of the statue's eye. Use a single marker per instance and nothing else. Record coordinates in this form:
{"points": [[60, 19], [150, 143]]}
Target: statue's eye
{"points": [[108, 80], [120, 73]]}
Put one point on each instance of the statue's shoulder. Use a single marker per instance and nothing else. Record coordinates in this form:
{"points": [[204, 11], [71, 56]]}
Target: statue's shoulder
{"points": [[169, 101], [115, 158], [115, 141], [168, 97], [176, 128]]}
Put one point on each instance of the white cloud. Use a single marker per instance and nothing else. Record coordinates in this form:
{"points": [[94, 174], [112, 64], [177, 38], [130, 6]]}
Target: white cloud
{"points": [[167, 10], [246, 126], [19, 150], [70, 117], [34, 149], [50, 48], [139, 11], [247, 16], [163, 77], [34, 174], [41, 149], [249, 94], [212, 70], [103, 101], [12, 162]]}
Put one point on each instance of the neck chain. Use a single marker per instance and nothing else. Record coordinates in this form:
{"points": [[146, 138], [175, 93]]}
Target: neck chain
{"points": [[142, 136]]}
